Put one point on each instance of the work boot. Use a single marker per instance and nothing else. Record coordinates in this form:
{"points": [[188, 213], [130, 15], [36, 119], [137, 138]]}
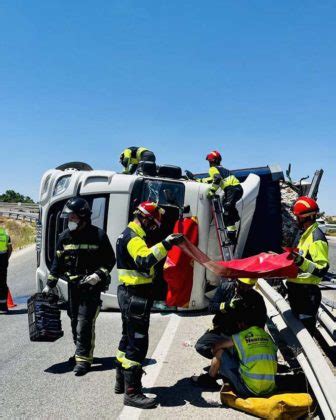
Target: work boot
{"points": [[119, 387], [81, 368], [3, 308], [72, 361], [133, 389], [232, 237]]}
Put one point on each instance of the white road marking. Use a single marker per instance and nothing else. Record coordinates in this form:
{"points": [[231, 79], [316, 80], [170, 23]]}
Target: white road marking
{"points": [[153, 371]]}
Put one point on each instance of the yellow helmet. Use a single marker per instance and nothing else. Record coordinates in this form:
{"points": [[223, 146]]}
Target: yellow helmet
{"points": [[249, 281]]}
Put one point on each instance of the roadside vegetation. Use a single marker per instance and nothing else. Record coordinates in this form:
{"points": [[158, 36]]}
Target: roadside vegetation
{"points": [[22, 232]]}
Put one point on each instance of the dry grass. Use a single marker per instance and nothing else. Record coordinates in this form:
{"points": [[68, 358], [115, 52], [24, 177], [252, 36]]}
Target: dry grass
{"points": [[22, 233]]}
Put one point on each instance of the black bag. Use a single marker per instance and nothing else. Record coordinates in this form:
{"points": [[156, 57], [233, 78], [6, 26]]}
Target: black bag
{"points": [[44, 318]]}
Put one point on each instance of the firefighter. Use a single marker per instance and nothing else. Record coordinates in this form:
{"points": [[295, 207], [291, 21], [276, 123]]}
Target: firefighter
{"points": [[135, 263], [248, 359], [5, 253], [312, 260], [220, 177], [228, 296], [84, 258], [132, 156]]}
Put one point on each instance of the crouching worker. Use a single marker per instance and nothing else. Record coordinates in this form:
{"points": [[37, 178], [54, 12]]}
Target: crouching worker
{"points": [[135, 262], [84, 258], [248, 359], [229, 294]]}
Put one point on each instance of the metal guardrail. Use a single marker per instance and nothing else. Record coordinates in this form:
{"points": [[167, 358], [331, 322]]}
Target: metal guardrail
{"points": [[24, 207], [315, 367], [19, 215]]}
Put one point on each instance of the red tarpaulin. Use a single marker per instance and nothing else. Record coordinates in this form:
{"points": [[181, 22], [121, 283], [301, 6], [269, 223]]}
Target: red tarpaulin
{"points": [[266, 265], [179, 267]]}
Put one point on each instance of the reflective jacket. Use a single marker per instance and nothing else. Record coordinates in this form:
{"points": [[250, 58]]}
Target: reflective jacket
{"points": [[220, 177], [81, 253], [135, 261], [132, 156], [4, 241], [313, 246], [258, 360]]}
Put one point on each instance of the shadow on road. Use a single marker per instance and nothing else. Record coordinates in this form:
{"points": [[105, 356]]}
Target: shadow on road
{"points": [[181, 393], [99, 364]]}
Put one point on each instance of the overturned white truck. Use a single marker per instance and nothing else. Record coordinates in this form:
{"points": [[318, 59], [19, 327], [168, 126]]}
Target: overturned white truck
{"points": [[113, 198]]}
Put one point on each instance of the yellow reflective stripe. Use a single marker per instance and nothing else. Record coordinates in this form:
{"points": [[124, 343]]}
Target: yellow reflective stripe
{"points": [[83, 359], [127, 153], [51, 277], [120, 356], [133, 277], [159, 251], [127, 363], [232, 228], [222, 306], [79, 246], [93, 332], [59, 253]]}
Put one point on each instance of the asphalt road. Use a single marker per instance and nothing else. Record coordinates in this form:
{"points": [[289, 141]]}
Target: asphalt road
{"points": [[35, 381]]}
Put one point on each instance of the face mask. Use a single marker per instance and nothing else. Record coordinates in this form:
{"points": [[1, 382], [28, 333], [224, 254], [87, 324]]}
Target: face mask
{"points": [[72, 226]]}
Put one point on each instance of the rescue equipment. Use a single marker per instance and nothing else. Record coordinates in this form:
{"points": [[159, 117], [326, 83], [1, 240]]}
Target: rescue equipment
{"points": [[44, 318], [279, 406], [265, 264], [179, 268]]}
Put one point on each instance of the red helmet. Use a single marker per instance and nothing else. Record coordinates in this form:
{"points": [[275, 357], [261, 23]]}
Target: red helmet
{"points": [[305, 206], [214, 157], [149, 209]]}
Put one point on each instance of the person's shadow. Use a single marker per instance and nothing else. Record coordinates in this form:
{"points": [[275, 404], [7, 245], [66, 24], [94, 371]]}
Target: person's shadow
{"points": [[99, 364], [17, 311], [181, 393]]}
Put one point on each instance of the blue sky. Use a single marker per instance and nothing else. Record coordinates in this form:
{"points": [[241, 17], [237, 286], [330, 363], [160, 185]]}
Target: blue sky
{"points": [[81, 80]]}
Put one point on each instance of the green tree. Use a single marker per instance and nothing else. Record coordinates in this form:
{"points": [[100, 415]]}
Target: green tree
{"points": [[11, 196]]}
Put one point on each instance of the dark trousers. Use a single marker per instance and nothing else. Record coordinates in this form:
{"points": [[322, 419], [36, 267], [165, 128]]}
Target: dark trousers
{"points": [[206, 341], [135, 306], [3, 287], [83, 308], [304, 300], [231, 196]]}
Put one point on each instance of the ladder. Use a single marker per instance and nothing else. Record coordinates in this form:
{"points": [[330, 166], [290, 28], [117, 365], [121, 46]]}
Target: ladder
{"points": [[218, 215]]}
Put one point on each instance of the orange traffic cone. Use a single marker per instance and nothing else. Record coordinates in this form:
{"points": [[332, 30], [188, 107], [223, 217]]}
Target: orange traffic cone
{"points": [[10, 302]]}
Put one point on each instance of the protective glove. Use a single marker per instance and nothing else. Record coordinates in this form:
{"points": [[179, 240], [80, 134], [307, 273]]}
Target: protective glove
{"points": [[50, 290], [298, 258], [92, 279], [189, 174], [173, 239]]}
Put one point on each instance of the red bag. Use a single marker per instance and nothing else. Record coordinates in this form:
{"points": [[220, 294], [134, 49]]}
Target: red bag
{"points": [[179, 267], [265, 264]]}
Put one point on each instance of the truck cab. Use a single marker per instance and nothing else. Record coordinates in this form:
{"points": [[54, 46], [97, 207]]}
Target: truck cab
{"points": [[113, 197]]}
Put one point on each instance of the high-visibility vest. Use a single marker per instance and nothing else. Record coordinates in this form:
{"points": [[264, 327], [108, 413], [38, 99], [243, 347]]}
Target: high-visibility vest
{"points": [[313, 246], [258, 360], [4, 241]]}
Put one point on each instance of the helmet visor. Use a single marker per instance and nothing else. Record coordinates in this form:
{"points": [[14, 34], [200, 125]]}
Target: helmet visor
{"points": [[66, 212]]}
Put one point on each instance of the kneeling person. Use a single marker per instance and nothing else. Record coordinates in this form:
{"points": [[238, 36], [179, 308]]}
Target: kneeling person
{"points": [[248, 359]]}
